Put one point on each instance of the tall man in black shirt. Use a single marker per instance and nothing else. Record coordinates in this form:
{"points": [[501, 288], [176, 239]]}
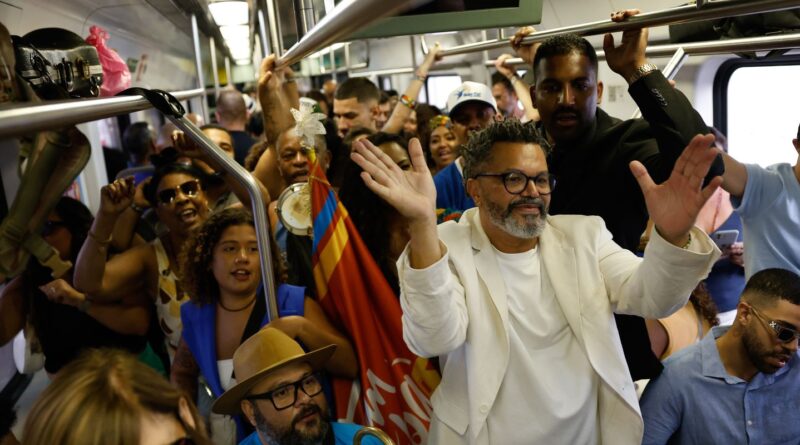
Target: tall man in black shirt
{"points": [[591, 150]]}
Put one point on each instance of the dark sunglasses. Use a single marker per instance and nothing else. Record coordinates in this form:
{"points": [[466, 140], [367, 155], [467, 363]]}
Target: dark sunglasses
{"points": [[188, 188], [784, 334], [184, 441], [51, 226]]}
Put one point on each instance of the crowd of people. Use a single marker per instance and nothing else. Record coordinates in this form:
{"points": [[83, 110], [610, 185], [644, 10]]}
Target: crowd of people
{"points": [[580, 278]]}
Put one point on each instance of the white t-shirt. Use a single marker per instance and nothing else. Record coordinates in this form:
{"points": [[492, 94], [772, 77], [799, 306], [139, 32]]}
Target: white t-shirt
{"points": [[549, 392]]}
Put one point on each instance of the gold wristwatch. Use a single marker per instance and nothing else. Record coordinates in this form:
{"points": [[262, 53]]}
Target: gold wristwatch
{"points": [[642, 71]]}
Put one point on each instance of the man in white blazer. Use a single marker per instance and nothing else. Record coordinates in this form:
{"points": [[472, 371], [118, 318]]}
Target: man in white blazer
{"points": [[519, 305]]}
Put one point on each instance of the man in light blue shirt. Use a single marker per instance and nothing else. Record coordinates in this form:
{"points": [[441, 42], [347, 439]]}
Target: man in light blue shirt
{"points": [[768, 200], [740, 384]]}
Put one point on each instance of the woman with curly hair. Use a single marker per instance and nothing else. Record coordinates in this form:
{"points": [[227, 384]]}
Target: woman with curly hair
{"points": [[108, 397], [177, 191], [220, 267]]}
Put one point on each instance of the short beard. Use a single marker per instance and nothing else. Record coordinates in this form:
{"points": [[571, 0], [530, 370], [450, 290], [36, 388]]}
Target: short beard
{"points": [[532, 226], [290, 435], [756, 352]]}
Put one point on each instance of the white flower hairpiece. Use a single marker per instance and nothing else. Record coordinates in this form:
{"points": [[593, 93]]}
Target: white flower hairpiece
{"points": [[307, 123]]}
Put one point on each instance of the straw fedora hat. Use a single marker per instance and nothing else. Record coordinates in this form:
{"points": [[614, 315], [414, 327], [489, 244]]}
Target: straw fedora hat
{"points": [[265, 352]]}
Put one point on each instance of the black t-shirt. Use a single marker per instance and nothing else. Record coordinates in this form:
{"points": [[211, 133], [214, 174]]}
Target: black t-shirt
{"points": [[242, 141], [64, 332]]}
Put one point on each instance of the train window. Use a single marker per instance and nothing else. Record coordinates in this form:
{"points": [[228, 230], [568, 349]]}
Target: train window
{"points": [[439, 87], [758, 109]]}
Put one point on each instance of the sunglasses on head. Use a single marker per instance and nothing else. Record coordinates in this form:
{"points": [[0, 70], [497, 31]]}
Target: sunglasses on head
{"points": [[188, 188], [785, 334]]}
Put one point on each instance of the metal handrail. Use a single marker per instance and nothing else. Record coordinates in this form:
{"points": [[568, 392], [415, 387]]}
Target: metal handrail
{"points": [[25, 118], [345, 19], [681, 14], [765, 43]]}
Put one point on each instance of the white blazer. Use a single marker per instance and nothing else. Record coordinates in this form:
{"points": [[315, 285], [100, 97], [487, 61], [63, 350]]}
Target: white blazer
{"points": [[457, 309]]}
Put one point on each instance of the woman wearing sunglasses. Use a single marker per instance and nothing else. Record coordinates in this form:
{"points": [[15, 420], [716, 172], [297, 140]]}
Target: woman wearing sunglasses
{"points": [[32, 300], [176, 191], [108, 397], [220, 269]]}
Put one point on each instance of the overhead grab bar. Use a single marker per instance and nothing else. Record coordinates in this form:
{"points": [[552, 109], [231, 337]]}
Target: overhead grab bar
{"points": [[680, 14], [747, 44], [25, 118], [173, 110], [345, 19]]}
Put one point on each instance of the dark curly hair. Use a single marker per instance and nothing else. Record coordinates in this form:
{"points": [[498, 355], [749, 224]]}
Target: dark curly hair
{"points": [[372, 217], [198, 253], [702, 301], [478, 150]]}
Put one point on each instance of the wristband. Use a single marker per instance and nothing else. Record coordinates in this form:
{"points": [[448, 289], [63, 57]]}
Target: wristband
{"points": [[420, 77], [407, 101], [289, 80]]}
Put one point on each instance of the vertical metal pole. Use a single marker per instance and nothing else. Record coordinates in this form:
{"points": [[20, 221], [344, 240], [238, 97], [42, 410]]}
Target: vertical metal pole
{"points": [[347, 58], [275, 36], [265, 40], [228, 78], [199, 66], [213, 47], [333, 64], [413, 52]]}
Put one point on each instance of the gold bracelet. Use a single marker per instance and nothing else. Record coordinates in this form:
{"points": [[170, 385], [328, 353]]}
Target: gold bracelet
{"points": [[102, 243]]}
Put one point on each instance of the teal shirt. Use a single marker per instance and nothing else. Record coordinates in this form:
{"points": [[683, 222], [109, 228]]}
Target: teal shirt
{"points": [[342, 433]]}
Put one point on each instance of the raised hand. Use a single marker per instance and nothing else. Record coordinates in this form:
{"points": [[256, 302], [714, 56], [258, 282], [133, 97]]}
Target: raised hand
{"points": [[59, 291], [411, 192], [502, 66], [117, 196], [675, 204], [433, 56], [525, 51], [630, 55]]}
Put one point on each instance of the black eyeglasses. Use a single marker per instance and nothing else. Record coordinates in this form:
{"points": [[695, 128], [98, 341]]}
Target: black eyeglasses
{"points": [[50, 226], [515, 181], [285, 396], [784, 334], [188, 188]]}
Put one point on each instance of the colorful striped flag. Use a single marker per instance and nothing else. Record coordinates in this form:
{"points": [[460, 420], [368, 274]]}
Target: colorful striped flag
{"points": [[395, 385]]}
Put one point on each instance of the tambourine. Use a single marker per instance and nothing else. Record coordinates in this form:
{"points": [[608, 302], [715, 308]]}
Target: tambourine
{"points": [[294, 209]]}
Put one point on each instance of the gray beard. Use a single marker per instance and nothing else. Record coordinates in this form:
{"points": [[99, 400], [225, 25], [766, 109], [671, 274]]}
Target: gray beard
{"points": [[530, 228]]}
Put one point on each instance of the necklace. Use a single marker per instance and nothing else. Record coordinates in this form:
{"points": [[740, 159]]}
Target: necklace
{"points": [[252, 300]]}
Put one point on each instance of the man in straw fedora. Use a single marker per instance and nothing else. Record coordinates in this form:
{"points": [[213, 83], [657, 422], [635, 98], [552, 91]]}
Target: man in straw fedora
{"points": [[279, 391]]}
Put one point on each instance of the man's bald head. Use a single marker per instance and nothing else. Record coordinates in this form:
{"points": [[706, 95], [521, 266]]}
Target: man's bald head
{"points": [[231, 110]]}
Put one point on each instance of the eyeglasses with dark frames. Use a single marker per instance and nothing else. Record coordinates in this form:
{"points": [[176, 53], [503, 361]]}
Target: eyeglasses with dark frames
{"points": [[516, 182], [785, 334], [285, 396], [188, 188]]}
